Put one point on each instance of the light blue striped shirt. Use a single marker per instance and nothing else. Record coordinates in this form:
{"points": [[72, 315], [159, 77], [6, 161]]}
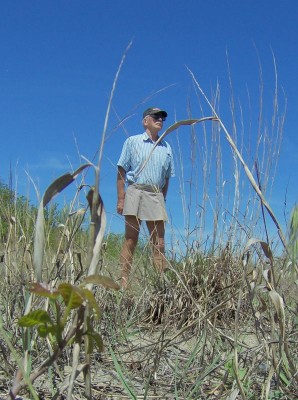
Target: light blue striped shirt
{"points": [[135, 152]]}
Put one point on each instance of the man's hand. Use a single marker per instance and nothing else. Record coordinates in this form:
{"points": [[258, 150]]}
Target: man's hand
{"points": [[120, 205]]}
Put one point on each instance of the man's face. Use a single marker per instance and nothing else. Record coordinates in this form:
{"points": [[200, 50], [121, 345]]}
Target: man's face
{"points": [[154, 122]]}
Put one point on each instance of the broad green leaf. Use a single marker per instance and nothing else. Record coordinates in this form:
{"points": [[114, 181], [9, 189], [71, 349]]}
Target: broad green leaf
{"points": [[37, 317], [105, 281], [73, 297], [44, 330]]}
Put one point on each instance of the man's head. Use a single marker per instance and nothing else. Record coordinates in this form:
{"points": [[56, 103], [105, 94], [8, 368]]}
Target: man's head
{"points": [[153, 119]]}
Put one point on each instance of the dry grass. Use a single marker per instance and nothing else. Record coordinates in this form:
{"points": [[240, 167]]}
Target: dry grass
{"points": [[221, 323], [207, 329]]}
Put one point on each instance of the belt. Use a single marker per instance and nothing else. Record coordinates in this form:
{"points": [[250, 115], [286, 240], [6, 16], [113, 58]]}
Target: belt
{"points": [[146, 188]]}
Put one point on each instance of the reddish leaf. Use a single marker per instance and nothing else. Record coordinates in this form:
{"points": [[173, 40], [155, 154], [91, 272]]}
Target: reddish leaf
{"points": [[41, 289]]}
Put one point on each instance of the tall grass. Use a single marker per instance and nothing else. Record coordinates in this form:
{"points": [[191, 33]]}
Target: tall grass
{"points": [[219, 324]]}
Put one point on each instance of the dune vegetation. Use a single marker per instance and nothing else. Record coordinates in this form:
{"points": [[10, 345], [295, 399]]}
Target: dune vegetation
{"points": [[220, 323]]}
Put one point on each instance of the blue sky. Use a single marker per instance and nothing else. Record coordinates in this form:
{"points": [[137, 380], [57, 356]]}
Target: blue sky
{"points": [[59, 60]]}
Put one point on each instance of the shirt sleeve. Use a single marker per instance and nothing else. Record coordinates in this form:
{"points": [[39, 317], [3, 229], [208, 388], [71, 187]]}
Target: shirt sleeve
{"points": [[124, 160], [171, 169]]}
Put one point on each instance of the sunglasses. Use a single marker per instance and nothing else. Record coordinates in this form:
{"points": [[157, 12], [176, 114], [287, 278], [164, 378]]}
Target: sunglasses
{"points": [[156, 117]]}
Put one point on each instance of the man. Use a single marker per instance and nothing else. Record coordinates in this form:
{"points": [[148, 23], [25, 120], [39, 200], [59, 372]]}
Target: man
{"points": [[148, 181]]}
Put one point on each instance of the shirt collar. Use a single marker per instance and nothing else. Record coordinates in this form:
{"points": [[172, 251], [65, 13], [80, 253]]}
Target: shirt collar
{"points": [[147, 138]]}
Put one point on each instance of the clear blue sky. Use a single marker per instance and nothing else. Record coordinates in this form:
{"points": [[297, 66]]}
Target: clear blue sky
{"points": [[58, 63]]}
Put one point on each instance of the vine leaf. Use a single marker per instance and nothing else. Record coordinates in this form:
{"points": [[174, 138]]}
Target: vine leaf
{"points": [[73, 296], [37, 317]]}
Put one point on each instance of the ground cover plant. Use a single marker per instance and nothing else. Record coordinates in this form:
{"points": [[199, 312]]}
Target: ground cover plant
{"points": [[221, 323]]}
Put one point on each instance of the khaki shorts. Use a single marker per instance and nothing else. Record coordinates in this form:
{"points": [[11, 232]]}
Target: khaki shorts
{"points": [[144, 204]]}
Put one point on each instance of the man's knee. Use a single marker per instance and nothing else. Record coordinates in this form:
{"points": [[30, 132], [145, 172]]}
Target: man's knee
{"points": [[156, 228]]}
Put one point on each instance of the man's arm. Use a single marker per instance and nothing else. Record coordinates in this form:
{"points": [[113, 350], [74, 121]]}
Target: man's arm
{"points": [[120, 189]]}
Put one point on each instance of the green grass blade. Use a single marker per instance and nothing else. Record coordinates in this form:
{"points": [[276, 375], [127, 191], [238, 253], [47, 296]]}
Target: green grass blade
{"points": [[121, 376]]}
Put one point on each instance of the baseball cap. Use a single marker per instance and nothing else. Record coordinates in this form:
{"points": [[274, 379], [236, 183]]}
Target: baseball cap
{"points": [[154, 111]]}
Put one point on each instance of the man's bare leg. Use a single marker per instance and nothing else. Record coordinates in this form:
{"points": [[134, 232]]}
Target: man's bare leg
{"points": [[157, 238], [132, 229]]}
